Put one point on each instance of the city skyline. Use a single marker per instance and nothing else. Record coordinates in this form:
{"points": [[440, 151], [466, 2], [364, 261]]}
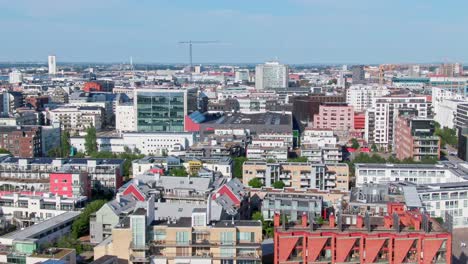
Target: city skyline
{"points": [[294, 31]]}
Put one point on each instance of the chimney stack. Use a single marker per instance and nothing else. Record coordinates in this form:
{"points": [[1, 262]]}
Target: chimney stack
{"points": [[304, 220], [332, 220], [276, 220]]}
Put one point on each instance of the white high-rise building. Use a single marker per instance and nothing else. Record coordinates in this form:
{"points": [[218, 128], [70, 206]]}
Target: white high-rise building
{"points": [[360, 96], [52, 64], [15, 77], [271, 75], [380, 129], [242, 75]]}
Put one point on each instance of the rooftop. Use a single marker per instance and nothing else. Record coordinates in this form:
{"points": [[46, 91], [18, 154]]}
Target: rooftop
{"points": [[267, 119]]}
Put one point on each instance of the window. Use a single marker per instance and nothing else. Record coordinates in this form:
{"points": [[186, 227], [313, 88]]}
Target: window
{"points": [[246, 236], [182, 238], [227, 252], [199, 220], [227, 238], [159, 235]]}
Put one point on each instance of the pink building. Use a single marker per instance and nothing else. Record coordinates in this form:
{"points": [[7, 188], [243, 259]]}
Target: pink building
{"points": [[70, 184], [336, 116]]}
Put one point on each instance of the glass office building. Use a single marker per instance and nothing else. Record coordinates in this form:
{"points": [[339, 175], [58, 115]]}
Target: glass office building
{"points": [[164, 110]]}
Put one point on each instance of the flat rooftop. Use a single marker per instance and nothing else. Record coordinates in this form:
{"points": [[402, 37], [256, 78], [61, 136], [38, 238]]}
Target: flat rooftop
{"points": [[267, 119], [32, 231]]}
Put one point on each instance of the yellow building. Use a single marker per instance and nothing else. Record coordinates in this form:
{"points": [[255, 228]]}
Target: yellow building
{"points": [[186, 240]]}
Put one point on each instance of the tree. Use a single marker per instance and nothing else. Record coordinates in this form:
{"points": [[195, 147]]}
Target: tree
{"points": [[237, 168], [374, 148], [271, 161], [278, 185], [80, 226], [354, 143], [255, 183], [4, 151], [90, 140], [447, 136], [257, 216], [298, 159], [179, 172], [65, 144]]}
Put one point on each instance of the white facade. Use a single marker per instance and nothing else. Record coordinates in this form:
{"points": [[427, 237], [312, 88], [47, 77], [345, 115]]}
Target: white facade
{"points": [[125, 117], [271, 143], [52, 64], [265, 153], [360, 96], [318, 137], [271, 75], [74, 118], [446, 113], [252, 105], [148, 143], [242, 75], [15, 77], [419, 174], [385, 111], [287, 138]]}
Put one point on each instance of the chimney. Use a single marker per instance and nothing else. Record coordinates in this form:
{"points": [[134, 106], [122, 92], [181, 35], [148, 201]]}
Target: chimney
{"points": [[332, 220], [359, 222], [117, 197], [276, 220], [304, 220]]}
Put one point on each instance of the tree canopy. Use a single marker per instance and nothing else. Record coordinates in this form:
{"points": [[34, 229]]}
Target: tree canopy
{"points": [[278, 185], [91, 140], [237, 167], [80, 226], [255, 183]]}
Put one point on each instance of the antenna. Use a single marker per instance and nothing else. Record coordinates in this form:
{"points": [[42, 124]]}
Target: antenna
{"points": [[190, 43]]}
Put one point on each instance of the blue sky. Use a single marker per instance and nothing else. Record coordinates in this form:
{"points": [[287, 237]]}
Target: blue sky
{"points": [[294, 31]]}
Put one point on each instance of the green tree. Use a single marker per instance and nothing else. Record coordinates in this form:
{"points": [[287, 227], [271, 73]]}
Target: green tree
{"points": [[374, 148], [255, 183], [4, 151], [278, 185], [55, 153], [237, 167], [80, 226], [354, 143], [298, 159], [65, 144], [91, 140], [271, 161], [257, 215], [180, 172]]}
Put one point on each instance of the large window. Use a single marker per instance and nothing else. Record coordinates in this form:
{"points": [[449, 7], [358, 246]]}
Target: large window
{"points": [[182, 238], [246, 236], [227, 238], [138, 231]]}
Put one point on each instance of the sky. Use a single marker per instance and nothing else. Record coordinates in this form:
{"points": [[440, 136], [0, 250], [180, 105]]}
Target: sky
{"points": [[248, 31]]}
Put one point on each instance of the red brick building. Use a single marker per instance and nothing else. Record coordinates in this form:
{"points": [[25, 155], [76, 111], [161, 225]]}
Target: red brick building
{"points": [[415, 138], [404, 237], [22, 141], [70, 184]]}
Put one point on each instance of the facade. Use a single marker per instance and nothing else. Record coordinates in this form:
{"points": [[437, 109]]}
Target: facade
{"points": [[15, 77], [299, 175], [416, 139], [70, 184], [359, 74], [293, 205], [318, 137], [77, 119], [271, 75], [125, 117], [192, 239], [380, 121], [461, 120], [360, 96], [306, 107], [52, 65], [164, 110], [156, 143], [322, 154], [24, 142], [98, 86], [416, 173], [33, 173], [447, 112], [401, 237], [335, 117]]}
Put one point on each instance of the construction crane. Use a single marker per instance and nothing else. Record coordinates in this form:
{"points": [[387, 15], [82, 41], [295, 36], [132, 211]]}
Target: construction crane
{"points": [[190, 43]]}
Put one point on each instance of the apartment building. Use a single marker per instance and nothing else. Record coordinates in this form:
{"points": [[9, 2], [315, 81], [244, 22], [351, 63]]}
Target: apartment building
{"points": [[400, 237], [292, 204], [443, 172], [70, 184], [300, 175], [34, 173], [264, 153], [138, 238], [322, 154], [77, 119], [416, 139], [125, 117], [360, 96], [34, 207], [318, 137], [336, 116], [22, 141], [380, 120]]}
